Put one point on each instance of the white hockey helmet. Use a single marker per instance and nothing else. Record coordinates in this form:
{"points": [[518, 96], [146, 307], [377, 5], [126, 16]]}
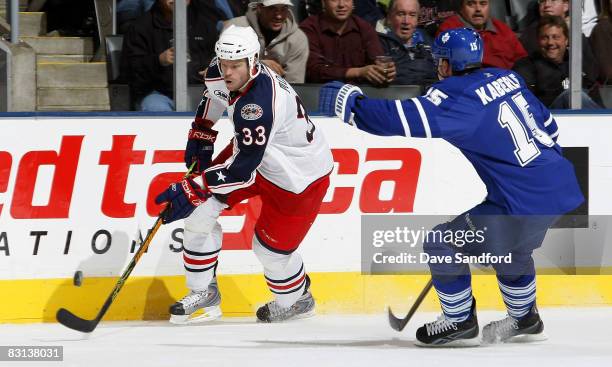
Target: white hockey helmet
{"points": [[237, 43]]}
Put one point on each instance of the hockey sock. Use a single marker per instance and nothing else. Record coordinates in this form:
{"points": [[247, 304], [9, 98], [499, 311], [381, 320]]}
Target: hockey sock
{"points": [[200, 253], [519, 294], [455, 297], [284, 273]]}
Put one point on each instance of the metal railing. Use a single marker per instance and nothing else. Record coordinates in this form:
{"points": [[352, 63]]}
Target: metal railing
{"points": [[5, 77], [575, 74], [12, 7], [181, 99]]}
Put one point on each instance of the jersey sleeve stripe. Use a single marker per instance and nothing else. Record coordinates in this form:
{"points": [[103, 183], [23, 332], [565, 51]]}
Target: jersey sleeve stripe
{"points": [[423, 115], [216, 167], [229, 187], [402, 116], [206, 108], [549, 121], [555, 134], [272, 81]]}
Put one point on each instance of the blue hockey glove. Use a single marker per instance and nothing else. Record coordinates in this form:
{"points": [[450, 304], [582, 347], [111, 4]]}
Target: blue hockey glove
{"points": [[200, 146], [337, 99], [182, 198]]}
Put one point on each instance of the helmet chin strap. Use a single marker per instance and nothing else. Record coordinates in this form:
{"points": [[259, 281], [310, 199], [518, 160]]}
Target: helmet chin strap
{"points": [[253, 72]]}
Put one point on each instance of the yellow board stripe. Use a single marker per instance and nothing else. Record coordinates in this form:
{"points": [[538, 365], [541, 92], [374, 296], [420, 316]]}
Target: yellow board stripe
{"points": [[148, 298]]}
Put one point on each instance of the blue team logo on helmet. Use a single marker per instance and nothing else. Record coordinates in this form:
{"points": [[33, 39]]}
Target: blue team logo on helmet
{"points": [[461, 46]]}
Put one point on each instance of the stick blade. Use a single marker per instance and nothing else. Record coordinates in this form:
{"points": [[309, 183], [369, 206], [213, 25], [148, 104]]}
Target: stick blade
{"points": [[396, 323], [70, 320]]}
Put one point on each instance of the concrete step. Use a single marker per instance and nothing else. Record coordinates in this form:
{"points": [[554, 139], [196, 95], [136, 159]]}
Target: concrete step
{"points": [[75, 97], [67, 75], [61, 45], [23, 5], [32, 24], [62, 58]]}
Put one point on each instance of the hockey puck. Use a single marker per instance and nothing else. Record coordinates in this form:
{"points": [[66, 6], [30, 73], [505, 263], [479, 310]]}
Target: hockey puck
{"points": [[77, 280]]}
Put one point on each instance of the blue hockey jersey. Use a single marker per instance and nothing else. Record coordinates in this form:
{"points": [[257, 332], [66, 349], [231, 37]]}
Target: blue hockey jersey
{"points": [[501, 128]]}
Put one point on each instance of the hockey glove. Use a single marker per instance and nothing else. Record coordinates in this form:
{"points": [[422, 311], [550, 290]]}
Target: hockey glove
{"points": [[182, 198], [200, 146], [336, 98]]}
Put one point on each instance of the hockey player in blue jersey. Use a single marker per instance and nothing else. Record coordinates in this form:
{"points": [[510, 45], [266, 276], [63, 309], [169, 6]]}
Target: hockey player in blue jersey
{"points": [[510, 139]]}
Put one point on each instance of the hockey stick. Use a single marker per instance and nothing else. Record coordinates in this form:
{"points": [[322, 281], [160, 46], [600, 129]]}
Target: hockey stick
{"points": [[74, 322], [400, 324]]}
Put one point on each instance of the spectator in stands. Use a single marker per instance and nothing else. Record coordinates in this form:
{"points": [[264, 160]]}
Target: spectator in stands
{"points": [[601, 42], [232, 8], [148, 52], [529, 36], [229, 9], [284, 47], [130, 10], [434, 12], [559, 8], [589, 16], [501, 47], [343, 47], [547, 72], [409, 47], [369, 10]]}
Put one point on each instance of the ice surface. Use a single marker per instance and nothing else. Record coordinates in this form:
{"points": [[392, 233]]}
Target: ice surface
{"points": [[577, 337]]}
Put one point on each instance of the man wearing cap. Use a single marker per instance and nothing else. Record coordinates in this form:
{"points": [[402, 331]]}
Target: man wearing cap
{"points": [[284, 47]]}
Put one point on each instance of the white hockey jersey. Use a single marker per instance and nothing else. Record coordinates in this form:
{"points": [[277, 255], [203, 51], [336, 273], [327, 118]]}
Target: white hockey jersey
{"points": [[273, 135]]}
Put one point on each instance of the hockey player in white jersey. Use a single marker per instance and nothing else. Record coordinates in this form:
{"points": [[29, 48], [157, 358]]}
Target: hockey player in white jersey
{"points": [[276, 154]]}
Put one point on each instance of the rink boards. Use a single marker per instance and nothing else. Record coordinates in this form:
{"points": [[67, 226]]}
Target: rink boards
{"points": [[76, 192]]}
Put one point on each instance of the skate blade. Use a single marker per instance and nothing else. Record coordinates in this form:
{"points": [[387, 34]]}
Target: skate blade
{"points": [[527, 338], [304, 315], [459, 343], [517, 339], [208, 314]]}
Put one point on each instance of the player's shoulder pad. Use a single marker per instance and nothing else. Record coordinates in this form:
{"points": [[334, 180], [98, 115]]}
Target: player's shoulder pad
{"points": [[440, 95], [213, 72], [256, 106], [453, 87], [214, 82]]}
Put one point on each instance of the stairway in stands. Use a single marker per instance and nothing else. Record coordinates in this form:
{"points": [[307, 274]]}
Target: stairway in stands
{"points": [[66, 79]]}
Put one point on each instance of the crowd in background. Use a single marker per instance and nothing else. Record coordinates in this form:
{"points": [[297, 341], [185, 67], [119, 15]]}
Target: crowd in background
{"points": [[359, 41]]}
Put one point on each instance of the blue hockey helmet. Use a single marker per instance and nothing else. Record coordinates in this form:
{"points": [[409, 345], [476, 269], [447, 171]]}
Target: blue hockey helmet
{"points": [[462, 47]]}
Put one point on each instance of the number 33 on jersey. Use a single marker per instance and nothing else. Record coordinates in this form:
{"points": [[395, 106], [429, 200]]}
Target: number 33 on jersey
{"points": [[273, 135]]}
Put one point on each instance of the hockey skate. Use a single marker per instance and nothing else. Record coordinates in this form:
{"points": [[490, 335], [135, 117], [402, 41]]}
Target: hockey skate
{"points": [[304, 307], [187, 310], [510, 330], [445, 333]]}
